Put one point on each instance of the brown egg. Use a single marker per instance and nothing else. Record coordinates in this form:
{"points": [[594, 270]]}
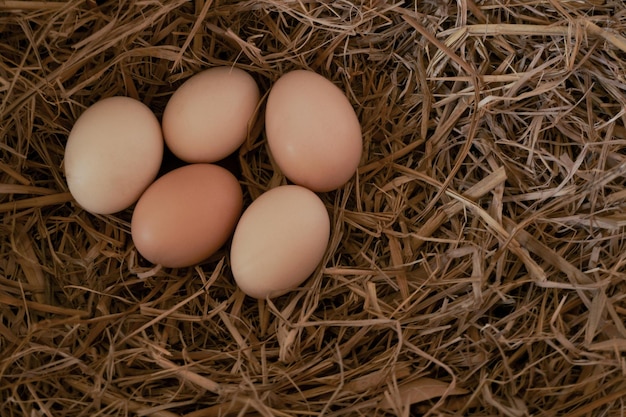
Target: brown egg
{"points": [[312, 131], [279, 241], [113, 153], [207, 117], [186, 215]]}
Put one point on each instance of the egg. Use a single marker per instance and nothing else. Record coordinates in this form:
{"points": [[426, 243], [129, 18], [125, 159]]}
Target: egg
{"points": [[279, 241], [113, 152], [207, 117], [186, 215], [313, 133]]}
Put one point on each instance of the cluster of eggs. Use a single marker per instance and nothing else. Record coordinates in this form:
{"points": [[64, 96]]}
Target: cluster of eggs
{"points": [[115, 150]]}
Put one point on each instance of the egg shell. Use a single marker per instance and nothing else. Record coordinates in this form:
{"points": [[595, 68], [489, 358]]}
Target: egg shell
{"points": [[186, 215], [279, 241], [207, 117], [313, 132], [113, 153]]}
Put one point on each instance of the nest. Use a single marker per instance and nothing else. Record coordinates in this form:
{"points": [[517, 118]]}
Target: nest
{"points": [[477, 263]]}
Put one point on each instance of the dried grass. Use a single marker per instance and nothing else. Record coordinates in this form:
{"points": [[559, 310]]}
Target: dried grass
{"points": [[477, 264]]}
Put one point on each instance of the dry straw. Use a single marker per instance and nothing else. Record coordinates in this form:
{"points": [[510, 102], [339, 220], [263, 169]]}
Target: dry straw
{"points": [[477, 264]]}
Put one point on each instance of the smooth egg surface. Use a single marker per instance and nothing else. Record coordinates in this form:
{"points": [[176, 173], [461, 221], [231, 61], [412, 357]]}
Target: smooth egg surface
{"points": [[207, 117], [113, 153], [186, 215], [279, 241], [312, 131]]}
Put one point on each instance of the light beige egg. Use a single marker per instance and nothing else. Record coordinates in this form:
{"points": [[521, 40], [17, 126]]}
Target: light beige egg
{"points": [[207, 117], [279, 241], [312, 130], [113, 153]]}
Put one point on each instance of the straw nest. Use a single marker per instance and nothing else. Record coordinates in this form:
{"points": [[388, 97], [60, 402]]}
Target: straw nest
{"points": [[477, 262]]}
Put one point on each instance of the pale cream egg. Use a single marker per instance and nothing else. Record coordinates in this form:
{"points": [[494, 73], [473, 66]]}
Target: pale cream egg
{"points": [[279, 241], [113, 153]]}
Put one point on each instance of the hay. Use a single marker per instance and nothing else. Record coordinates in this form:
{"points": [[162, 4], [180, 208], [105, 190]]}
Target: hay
{"points": [[477, 262]]}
